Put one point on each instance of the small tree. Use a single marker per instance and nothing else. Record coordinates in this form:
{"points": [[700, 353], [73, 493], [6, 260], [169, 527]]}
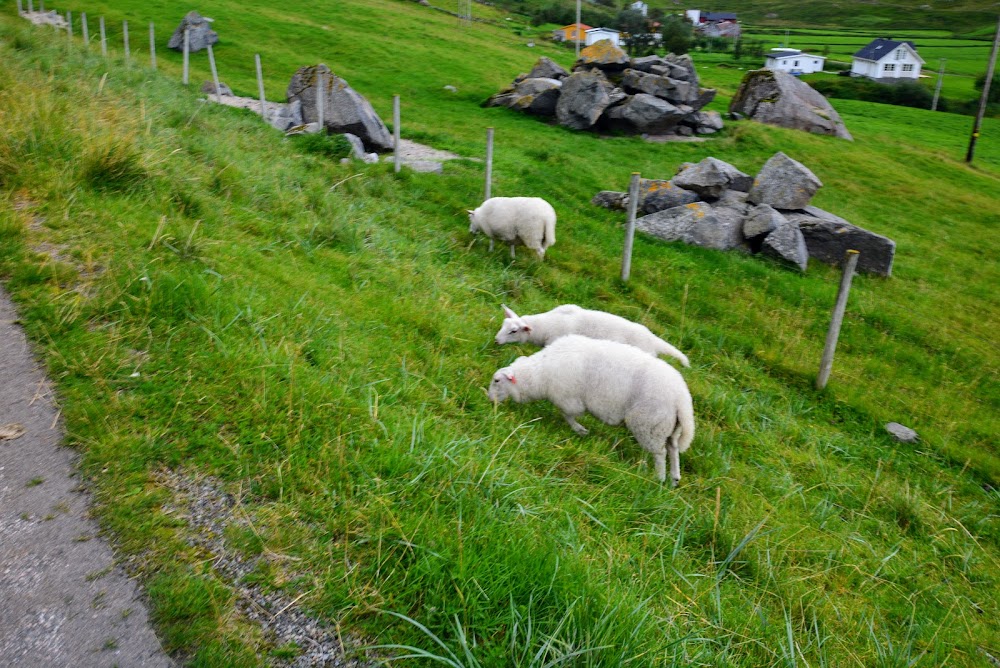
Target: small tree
{"points": [[677, 35], [633, 24], [994, 95]]}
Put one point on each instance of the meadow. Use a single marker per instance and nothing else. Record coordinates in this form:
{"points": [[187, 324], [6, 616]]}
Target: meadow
{"points": [[217, 302]]}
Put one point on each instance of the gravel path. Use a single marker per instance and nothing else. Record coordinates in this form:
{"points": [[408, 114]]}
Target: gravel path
{"points": [[63, 601]]}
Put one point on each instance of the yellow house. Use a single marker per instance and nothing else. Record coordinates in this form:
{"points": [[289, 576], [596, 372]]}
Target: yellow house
{"points": [[572, 32]]}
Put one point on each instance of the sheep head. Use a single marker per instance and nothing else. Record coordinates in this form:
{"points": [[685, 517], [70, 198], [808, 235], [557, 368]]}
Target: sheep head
{"points": [[514, 329]]}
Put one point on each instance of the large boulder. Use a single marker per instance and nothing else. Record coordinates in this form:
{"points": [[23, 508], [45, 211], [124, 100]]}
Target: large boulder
{"points": [[584, 97], [712, 177], [345, 110], [761, 220], [697, 224], [611, 199], [603, 55], [647, 113], [828, 238], [704, 96], [778, 98], [784, 183], [657, 195], [535, 96], [546, 68], [200, 36], [672, 90], [682, 67]]}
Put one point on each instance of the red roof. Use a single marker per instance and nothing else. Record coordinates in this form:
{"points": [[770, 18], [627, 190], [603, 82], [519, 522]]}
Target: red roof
{"points": [[584, 26]]}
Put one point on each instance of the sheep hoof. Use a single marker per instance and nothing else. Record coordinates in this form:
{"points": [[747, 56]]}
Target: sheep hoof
{"points": [[674, 482], [581, 430]]}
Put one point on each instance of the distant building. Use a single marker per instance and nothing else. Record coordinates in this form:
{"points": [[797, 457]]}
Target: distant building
{"points": [[640, 7], [597, 34], [887, 61], [714, 24], [571, 33], [793, 61]]}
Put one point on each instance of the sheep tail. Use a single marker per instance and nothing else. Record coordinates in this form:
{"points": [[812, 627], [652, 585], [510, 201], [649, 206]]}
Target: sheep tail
{"points": [[684, 431], [667, 349], [549, 235]]}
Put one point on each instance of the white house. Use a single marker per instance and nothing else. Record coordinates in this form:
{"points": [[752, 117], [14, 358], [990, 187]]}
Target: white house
{"points": [[597, 34], [887, 61], [793, 61], [640, 7]]}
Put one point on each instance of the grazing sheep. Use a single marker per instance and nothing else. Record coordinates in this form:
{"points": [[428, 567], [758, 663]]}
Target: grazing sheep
{"points": [[612, 381], [528, 221], [544, 328]]}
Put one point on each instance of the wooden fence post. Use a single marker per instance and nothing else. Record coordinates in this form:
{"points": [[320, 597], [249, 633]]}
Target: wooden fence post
{"points": [[187, 55], [488, 192], [152, 46], [215, 75], [104, 39], [86, 30], [397, 158], [69, 24], [125, 40], [20, 8], [260, 86], [321, 99], [826, 364], [31, 6], [633, 203], [41, 6]]}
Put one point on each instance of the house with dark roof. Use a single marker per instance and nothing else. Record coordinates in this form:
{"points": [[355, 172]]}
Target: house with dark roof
{"points": [[714, 24], [887, 61]]}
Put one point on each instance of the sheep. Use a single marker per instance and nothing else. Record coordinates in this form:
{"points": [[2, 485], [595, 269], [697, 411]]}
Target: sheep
{"points": [[528, 221], [544, 328], [614, 382]]}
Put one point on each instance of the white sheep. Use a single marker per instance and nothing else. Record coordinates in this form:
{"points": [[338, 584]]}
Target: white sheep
{"points": [[528, 221], [542, 329], [612, 381]]}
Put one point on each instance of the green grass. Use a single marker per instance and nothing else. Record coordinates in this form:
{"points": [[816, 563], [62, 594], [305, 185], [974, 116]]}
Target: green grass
{"points": [[216, 300]]}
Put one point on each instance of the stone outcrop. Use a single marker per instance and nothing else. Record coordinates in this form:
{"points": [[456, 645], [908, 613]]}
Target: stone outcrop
{"points": [[778, 98], [713, 204], [609, 91], [200, 36], [344, 109]]}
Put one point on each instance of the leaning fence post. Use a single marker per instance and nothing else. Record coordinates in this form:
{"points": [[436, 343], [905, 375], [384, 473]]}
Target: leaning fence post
{"points": [[321, 99], [489, 164], [41, 6], [187, 55], [260, 85], [215, 75], [125, 40], [104, 39], [20, 8], [152, 46], [633, 203], [86, 31], [825, 366], [69, 23], [31, 6], [397, 158]]}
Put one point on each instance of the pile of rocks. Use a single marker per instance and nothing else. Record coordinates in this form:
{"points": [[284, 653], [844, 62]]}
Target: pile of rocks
{"points": [[715, 205], [607, 90], [200, 33]]}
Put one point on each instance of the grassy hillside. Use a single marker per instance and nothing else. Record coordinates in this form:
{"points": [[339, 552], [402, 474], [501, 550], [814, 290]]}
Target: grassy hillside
{"points": [[219, 305]]}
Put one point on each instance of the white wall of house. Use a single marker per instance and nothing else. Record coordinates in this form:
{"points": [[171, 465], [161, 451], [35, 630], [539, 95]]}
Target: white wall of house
{"points": [[693, 15], [597, 34], [900, 63], [802, 63]]}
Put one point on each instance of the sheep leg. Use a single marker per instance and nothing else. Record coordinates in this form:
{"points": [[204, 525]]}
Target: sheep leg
{"points": [[675, 463], [491, 244], [512, 251], [571, 412]]}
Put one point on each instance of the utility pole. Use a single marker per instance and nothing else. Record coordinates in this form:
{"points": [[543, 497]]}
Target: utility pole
{"points": [[937, 89], [576, 29], [985, 96]]}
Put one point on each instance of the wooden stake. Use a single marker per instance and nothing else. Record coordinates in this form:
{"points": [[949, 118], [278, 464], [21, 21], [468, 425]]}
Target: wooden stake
{"points": [[86, 31], [826, 364], [633, 203], [125, 40], [152, 46], [321, 99], [104, 39], [20, 8], [576, 30], [187, 56], [69, 23], [260, 85], [489, 164], [397, 157], [984, 98], [31, 7], [215, 75], [937, 89]]}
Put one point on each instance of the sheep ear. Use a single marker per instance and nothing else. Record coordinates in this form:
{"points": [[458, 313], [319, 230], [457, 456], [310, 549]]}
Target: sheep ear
{"points": [[469, 211], [507, 312], [510, 377], [526, 328]]}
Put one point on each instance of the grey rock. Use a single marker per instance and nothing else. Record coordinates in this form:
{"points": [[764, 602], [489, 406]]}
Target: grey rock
{"points": [[784, 183], [778, 98], [786, 244], [450, 89], [209, 87], [697, 224], [358, 149], [658, 195], [711, 177], [705, 122], [703, 97], [733, 199], [285, 116], [611, 199], [902, 433], [665, 88], [682, 67], [828, 238], [584, 97], [546, 68], [345, 110], [762, 220], [646, 113], [200, 36], [647, 63], [603, 55]]}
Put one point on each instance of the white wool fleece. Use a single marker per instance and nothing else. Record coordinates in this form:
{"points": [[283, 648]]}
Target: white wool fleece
{"points": [[526, 221], [614, 382]]}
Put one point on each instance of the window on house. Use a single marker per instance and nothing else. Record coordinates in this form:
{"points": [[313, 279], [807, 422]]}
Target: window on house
{"points": [[900, 54], [889, 67], [907, 67], [796, 63]]}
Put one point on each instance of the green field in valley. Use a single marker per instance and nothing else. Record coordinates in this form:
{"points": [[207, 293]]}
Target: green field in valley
{"points": [[222, 307]]}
